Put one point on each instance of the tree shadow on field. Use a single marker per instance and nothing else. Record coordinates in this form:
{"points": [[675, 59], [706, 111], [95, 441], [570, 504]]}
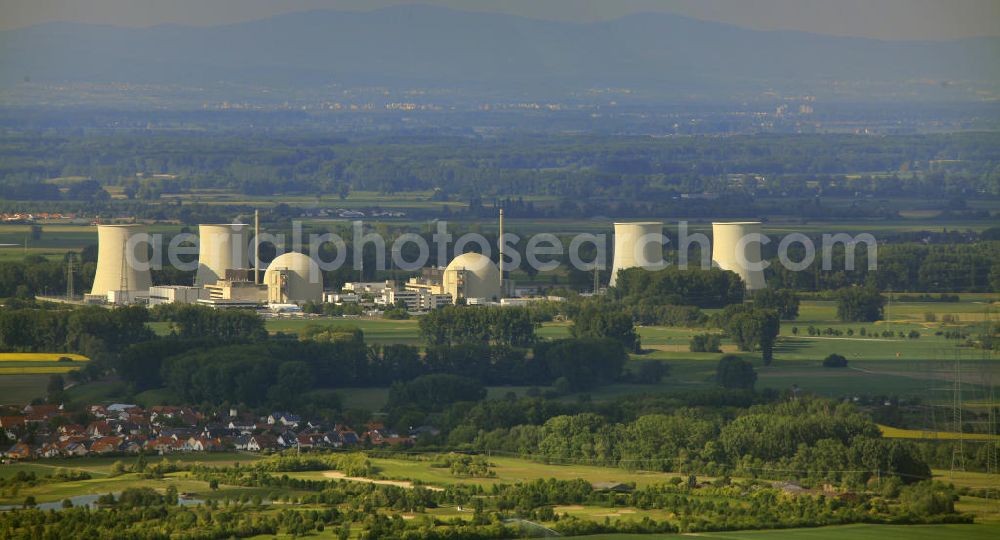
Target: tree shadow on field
{"points": [[789, 346]]}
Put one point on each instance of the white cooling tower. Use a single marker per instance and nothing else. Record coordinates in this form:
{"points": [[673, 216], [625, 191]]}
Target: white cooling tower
{"points": [[726, 251], [121, 267], [220, 248], [637, 245]]}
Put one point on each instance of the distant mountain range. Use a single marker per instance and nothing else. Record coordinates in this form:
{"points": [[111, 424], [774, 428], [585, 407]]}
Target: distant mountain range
{"points": [[421, 46]]}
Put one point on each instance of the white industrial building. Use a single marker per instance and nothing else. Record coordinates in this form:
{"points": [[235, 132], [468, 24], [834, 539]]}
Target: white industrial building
{"points": [[361, 287], [341, 298], [175, 294], [415, 299], [637, 245], [735, 250]]}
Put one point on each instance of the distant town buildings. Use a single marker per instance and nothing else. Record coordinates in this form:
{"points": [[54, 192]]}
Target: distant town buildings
{"points": [[124, 428]]}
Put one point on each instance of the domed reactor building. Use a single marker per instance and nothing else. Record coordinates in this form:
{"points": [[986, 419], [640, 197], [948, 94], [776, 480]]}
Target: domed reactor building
{"points": [[472, 276], [293, 278]]}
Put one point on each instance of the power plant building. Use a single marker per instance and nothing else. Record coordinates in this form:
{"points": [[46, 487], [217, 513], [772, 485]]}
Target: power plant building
{"points": [[637, 245], [293, 278], [122, 263], [175, 294], [220, 248], [472, 275], [727, 251]]}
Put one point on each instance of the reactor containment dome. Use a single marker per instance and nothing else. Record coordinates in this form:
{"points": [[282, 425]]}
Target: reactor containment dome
{"points": [[293, 278], [637, 245], [122, 259], [472, 275], [734, 249], [220, 248]]}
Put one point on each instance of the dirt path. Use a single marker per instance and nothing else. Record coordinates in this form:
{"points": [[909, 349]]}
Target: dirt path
{"points": [[842, 338], [398, 483]]}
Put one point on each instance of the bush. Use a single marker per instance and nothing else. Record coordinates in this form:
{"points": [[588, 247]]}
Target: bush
{"points": [[650, 372], [929, 498], [835, 361]]}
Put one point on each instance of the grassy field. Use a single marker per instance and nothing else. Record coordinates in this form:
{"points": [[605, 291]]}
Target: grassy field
{"points": [[376, 330], [897, 433], [19, 388], [508, 470], [842, 532], [922, 367], [512, 470]]}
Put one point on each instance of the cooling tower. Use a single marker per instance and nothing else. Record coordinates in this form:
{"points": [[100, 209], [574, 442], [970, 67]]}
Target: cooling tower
{"points": [[725, 251], [220, 248], [116, 263], [636, 247]]}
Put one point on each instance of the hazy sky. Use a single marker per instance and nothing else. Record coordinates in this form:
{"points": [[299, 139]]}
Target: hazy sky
{"points": [[884, 19]]}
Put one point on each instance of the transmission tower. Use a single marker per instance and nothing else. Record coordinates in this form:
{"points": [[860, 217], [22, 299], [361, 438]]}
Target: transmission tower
{"points": [[123, 280], [958, 449], [70, 293]]}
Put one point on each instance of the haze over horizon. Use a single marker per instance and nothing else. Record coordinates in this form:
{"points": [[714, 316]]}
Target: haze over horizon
{"points": [[880, 19]]}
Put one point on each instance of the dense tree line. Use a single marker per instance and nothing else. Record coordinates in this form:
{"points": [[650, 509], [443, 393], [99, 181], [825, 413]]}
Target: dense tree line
{"points": [[674, 286], [93, 331], [907, 264], [455, 325], [629, 168], [807, 438]]}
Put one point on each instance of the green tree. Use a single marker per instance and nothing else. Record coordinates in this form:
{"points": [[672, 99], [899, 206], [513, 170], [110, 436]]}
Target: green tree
{"points": [[55, 389], [593, 322], [735, 372], [859, 304], [784, 301]]}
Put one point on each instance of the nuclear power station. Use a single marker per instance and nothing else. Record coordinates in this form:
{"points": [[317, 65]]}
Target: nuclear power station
{"points": [[122, 263], [637, 245], [220, 248], [225, 279], [734, 250]]}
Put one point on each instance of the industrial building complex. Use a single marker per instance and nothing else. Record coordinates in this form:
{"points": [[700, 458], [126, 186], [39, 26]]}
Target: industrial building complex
{"points": [[226, 276]]}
